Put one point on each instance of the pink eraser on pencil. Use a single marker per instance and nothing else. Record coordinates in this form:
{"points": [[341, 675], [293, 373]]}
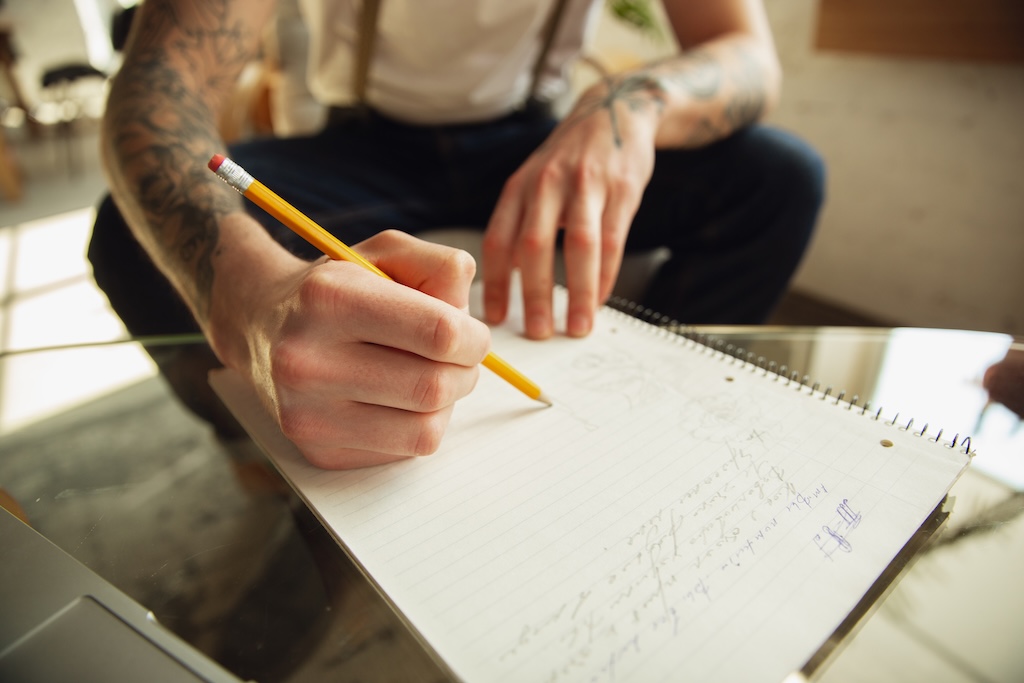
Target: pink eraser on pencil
{"points": [[215, 161]]}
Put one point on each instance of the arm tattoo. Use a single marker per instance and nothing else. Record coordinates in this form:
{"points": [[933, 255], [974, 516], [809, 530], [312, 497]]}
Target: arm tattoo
{"points": [[699, 75], [748, 101], [636, 90], [742, 106], [162, 131]]}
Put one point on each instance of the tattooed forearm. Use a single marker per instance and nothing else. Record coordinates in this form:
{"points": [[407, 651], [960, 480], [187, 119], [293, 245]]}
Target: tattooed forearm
{"points": [[158, 144], [748, 100], [701, 96], [743, 102], [736, 92], [699, 75], [636, 91], [160, 129]]}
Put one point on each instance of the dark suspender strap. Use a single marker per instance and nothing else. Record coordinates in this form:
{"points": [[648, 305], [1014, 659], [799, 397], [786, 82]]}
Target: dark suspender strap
{"points": [[364, 48], [548, 39]]}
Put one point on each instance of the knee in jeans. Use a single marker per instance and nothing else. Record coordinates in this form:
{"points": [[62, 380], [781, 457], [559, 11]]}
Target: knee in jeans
{"points": [[796, 170]]}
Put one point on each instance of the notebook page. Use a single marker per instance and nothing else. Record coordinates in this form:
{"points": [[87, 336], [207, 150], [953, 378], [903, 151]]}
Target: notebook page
{"points": [[675, 515]]}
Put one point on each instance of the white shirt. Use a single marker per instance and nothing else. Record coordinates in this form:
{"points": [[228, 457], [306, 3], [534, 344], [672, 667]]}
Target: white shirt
{"points": [[444, 61]]}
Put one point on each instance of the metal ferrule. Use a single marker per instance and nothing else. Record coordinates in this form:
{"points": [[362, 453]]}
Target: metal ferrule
{"points": [[235, 176]]}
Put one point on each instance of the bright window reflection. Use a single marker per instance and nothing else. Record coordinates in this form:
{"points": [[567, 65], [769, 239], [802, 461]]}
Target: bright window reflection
{"points": [[50, 299], [934, 376]]}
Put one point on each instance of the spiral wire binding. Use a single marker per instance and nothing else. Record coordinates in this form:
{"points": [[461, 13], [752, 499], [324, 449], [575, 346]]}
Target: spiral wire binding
{"points": [[709, 343]]}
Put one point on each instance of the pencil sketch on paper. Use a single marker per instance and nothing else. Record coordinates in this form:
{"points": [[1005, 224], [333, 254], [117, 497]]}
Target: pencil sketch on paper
{"points": [[615, 372], [718, 417]]}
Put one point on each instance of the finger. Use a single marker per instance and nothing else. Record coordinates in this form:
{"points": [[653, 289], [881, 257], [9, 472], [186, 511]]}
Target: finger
{"points": [[536, 256], [616, 220], [349, 302], [443, 272], [583, 256], [379, 375], [364, 434], [498, 251], [335, 458]]}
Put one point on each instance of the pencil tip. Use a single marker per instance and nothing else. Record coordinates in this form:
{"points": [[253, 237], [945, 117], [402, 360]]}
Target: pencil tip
{"points": [[545, 400]]}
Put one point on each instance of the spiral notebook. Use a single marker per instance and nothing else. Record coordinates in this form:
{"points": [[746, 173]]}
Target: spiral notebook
{"points": [[678, 514]]}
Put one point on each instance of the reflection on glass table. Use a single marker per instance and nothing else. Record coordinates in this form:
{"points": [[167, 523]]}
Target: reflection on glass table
{"points": [[103, 459], [931, 376]]}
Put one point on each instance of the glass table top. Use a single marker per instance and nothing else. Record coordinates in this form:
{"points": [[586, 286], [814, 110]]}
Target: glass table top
{"points": [[103, 458]]}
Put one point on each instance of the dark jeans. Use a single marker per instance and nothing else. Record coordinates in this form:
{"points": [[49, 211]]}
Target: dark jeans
{"points": [[736, 216]]}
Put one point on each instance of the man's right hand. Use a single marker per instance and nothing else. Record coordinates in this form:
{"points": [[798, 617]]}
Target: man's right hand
{"points": [[358, 370]]}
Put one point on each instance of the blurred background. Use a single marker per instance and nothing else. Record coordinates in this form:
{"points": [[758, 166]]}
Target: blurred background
{"points": [[916, 106]]}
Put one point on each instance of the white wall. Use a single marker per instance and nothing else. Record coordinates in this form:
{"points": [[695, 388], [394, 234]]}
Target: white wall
{"points": [[924, 220]]}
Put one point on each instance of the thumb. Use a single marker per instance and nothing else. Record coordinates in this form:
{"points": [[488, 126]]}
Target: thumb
{"points": [[442, 272]]}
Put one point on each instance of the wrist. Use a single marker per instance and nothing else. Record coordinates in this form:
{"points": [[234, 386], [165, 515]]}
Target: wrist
{"points": [[641, 91], [249, 267], [632, 104]]}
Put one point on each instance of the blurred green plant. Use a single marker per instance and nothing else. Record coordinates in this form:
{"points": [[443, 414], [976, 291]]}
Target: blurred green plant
{"points": [[638, 14]]}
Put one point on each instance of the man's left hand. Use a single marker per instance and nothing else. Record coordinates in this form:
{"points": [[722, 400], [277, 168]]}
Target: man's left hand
{"points": [[586, 179]]}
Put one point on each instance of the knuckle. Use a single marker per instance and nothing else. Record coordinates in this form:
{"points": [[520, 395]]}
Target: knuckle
{"points": [[289, 365], [295, 426], [494, 243], [441, 336], [461, 265], [390, 238], [580, 238], [392, 234], [533, 243], [586, 173], [432, 391], [612, 242], [318, 292], [429, 435], [550, 174]]}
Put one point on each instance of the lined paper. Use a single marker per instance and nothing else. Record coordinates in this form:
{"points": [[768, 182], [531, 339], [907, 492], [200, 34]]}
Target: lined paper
{"points": [[675, 515]]}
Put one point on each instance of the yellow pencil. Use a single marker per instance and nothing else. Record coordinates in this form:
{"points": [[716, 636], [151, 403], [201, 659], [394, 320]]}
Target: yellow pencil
{"points": [[252, 189]]}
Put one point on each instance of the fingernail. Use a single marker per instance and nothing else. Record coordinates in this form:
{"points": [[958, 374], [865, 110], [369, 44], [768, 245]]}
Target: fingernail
{"points": [[538, 326], [579, 325]]}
